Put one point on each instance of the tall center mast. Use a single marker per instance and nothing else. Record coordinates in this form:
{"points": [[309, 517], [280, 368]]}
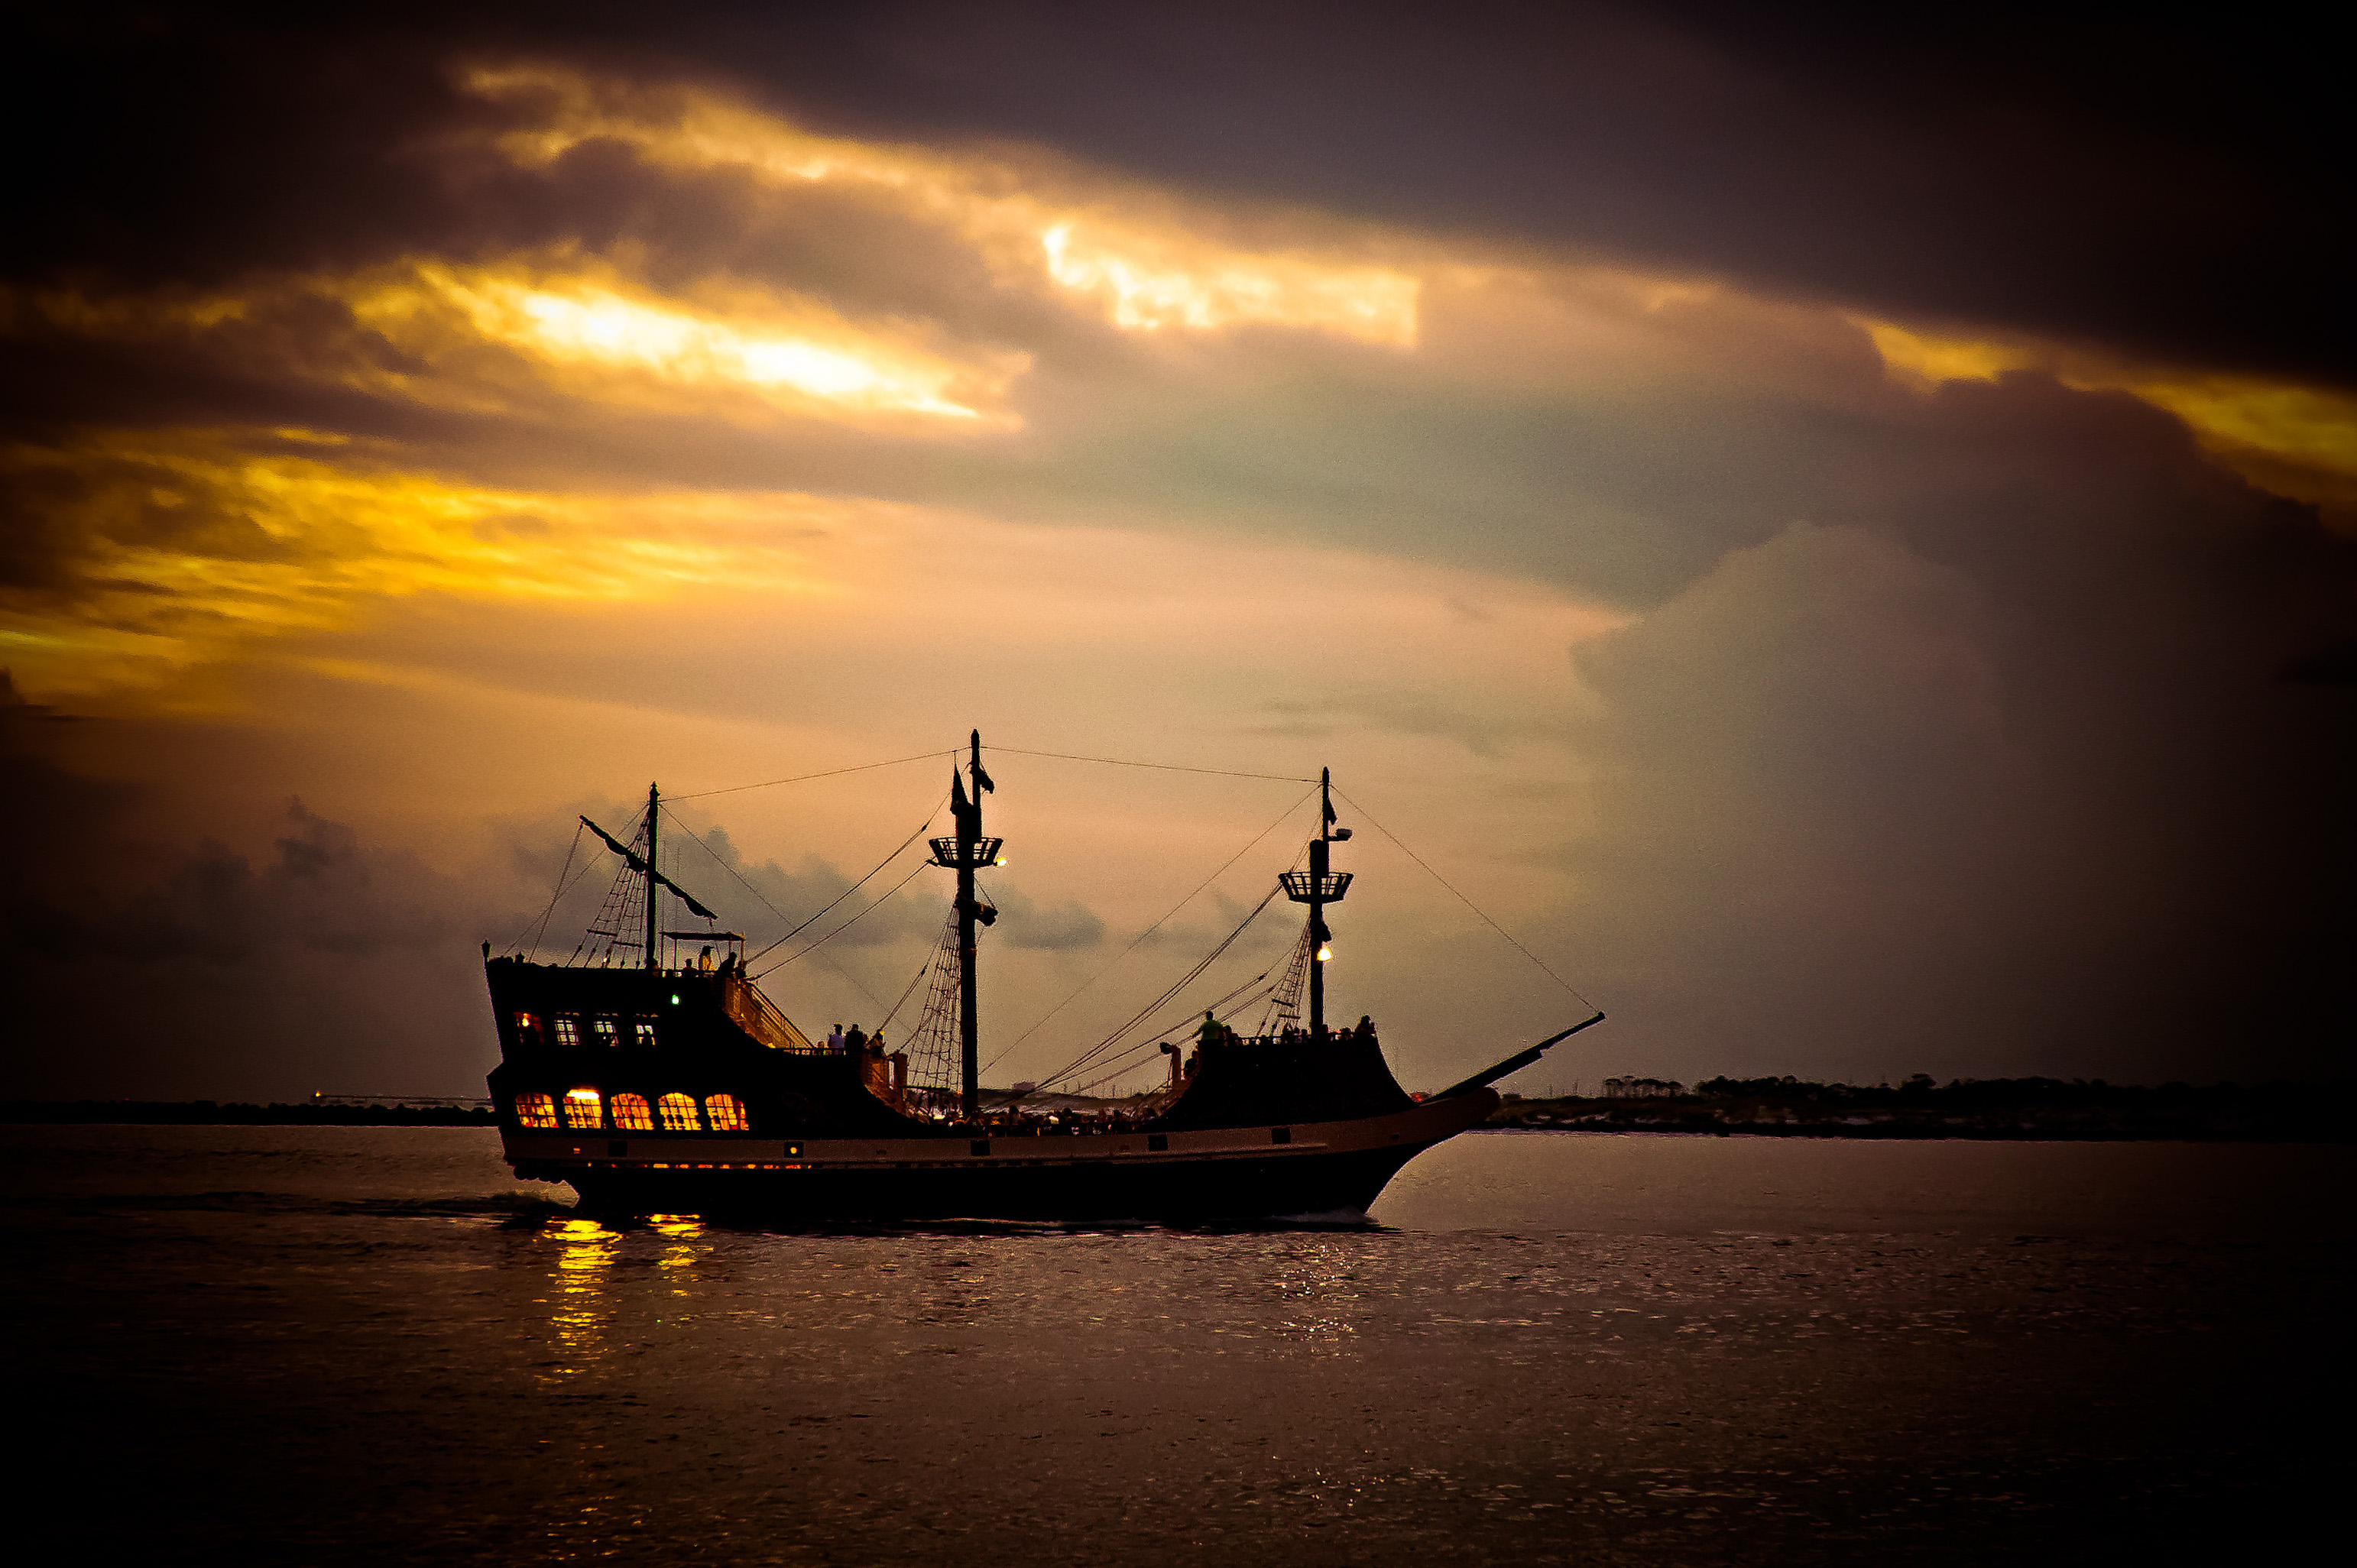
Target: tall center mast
{"points": [[654, 877], [965, 853], [1320, 887]]}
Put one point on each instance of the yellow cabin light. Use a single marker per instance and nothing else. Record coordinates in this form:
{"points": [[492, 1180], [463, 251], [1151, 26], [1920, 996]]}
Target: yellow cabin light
{"points": [[1325, 954]]}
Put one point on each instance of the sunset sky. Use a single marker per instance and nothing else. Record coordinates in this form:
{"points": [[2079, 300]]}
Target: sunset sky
{"points": [[1841, 539]]}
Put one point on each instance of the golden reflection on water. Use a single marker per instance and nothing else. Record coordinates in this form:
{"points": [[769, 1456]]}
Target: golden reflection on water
{"points": [[584, 1258], [581, 1297], [679, 1260]]}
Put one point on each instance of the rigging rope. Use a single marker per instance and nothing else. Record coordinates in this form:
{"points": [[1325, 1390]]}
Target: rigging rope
{"points": [[803, 777], [932, 1043], [846, 926], [1109, 963], [1468, 903], [1091, 1057], [1161, 767], [1284, 996], [1236, 1001], [824, 958], [923, 970], [831, 903], [537, 930], [622, 908]]}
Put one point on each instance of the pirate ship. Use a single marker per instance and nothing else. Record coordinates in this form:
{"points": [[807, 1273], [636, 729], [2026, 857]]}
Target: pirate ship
{"points": [[669, 1083]]}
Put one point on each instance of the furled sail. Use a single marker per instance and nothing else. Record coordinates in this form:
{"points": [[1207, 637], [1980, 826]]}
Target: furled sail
{"points": [[639, 864]]}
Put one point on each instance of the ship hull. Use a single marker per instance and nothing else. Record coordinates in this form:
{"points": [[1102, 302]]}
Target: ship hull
{"points": [[1304, 1170]]}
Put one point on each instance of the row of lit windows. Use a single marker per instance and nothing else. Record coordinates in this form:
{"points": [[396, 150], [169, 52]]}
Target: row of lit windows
{"points": [[585, 1111], [572, 1032]]}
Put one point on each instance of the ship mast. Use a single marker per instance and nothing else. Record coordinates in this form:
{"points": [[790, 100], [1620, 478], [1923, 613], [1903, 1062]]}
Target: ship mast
{"points": [[653, 877], [644, 867], [1322, 885], [964, 853]]}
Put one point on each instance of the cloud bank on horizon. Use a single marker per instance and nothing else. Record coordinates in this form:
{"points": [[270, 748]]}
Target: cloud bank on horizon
{"points": [[1846, 667]]}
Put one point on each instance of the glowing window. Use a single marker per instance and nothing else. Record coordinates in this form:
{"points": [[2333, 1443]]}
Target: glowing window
{"points": [[568, 1031], [602, 1032], [725, 1112], [583, 1109], [679, 1114], [527, 1027], [535, 1111], [643, 1032], [630, 1113]]}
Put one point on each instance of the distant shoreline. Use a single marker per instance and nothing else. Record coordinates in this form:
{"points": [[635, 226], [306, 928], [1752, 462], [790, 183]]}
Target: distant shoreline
{"points": [[236, 1113], [2012, 1110], [1907, 1134]]}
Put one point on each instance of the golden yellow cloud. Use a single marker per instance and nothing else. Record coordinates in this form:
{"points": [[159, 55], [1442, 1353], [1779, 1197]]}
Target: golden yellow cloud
{"points": [[728, 349], [2299, 441], [1927, 361], [190, 546], [1144, 264], [487, 337]]}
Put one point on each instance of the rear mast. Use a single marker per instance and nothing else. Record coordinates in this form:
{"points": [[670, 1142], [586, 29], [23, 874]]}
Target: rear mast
{"points": [[965, 853], [1320, 887]]}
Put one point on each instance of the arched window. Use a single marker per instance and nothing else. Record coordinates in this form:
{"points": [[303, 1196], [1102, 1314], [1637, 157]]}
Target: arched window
{"points": [[725, 1112], [630, 1113], [583, 1109], [535, 1111], [679, 1114]]}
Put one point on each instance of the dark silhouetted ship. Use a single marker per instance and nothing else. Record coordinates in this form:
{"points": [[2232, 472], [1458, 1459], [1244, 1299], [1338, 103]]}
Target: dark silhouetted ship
{"points": [[668, 1083]]}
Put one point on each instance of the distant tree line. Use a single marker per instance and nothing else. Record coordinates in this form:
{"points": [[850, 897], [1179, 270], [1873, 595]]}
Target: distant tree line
{"points": [[1923, 1089], [207, 1112]]}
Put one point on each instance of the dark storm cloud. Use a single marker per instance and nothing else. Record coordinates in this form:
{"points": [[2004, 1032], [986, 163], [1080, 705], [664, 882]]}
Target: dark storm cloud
{"points": [[2162, 181], [134, 968], [138, 968], [2169, 182], [2020, 771]]}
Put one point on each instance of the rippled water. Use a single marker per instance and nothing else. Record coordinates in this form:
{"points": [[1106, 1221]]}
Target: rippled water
{"points": [[269, 1346]]}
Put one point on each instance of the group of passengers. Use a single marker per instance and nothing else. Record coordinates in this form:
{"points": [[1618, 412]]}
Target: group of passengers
{"points": [[1211, 1032], [853, 1042]]}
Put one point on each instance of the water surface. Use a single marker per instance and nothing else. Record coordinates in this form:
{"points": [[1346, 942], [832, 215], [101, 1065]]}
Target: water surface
{"points": [[363, 1345]]}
